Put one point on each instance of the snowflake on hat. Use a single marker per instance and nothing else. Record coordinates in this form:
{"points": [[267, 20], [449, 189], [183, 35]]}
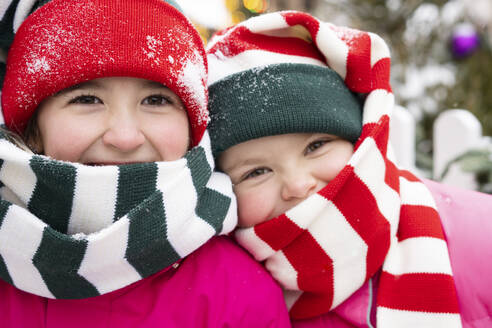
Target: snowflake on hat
{"points": [[63, 55]]}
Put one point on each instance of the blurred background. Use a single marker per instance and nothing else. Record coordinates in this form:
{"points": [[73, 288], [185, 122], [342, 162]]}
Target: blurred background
{"points": [[441, 60]]}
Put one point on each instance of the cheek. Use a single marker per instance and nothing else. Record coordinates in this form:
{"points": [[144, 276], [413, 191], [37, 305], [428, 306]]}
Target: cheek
{"points": [[170, 136], [255, 205], [329, 168], [65, 141]]}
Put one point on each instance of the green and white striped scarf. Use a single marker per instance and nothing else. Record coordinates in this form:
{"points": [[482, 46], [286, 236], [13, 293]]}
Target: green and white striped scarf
{"points": [[73, 231]]}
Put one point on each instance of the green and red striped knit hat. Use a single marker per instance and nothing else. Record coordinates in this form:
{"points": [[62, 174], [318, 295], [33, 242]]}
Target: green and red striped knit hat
{"points": [[148, 39], [270, 78]]}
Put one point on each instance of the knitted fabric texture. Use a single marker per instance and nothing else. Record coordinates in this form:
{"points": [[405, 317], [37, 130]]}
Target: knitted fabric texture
{"points": [[278, 99], [373, 217], [73, 231], [67, 42], [258, 83]]}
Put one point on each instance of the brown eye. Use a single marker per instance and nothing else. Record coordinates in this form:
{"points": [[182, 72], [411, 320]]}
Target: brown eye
{"points": [[156, 100], [256, 173], [85, 100], [315, 145]]}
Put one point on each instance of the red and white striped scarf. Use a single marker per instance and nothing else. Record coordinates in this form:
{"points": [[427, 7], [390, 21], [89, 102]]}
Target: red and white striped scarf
{"points": [[372, 217]]}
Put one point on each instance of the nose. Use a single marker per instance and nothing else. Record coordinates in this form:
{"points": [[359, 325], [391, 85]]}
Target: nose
{"points": [[123, 133], [298, 185]]}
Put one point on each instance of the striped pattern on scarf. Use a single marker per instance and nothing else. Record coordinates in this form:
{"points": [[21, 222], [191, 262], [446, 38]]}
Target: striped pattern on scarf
{"points": [[373, 216], [73, 231], [12, 14]]}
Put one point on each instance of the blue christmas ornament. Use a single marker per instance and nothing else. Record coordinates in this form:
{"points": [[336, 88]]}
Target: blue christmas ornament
{"points": [[465, 40]]}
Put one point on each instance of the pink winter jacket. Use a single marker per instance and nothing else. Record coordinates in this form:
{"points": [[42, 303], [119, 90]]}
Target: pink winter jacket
{"points": [[219, 285], [466, 217]]}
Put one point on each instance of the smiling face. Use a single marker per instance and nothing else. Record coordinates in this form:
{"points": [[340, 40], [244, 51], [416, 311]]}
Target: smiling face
{"points": [[273, 174], [112, 121]]}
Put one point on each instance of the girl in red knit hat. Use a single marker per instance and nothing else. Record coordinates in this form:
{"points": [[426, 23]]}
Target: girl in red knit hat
{"points": [[109, 215], [300, 113]]}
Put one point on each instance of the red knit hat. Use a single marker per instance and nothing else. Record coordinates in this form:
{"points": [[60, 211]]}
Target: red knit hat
{"points": [[67, 42]]}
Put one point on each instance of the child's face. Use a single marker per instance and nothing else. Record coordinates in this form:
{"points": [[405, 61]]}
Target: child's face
{"points": [[275, 173], [112, 121]]}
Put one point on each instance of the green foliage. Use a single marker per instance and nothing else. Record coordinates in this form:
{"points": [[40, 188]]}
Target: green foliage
{"points": [[478, 162], [473, 85], [418, 33]]}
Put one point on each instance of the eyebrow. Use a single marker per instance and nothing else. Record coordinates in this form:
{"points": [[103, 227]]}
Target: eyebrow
{"points": [[83, 85], [153, 84], [95, 84], [248, 161]]}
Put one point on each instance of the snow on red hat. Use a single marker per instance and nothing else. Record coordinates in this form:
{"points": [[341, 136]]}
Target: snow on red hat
{"points": [[67, 42]]}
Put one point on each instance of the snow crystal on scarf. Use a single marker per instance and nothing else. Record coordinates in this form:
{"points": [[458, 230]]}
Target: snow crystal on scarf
{"points": [[351, 37]]}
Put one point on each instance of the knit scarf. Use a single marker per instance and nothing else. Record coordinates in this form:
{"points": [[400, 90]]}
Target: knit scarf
{"points": [[74, 231], [373, 217]]}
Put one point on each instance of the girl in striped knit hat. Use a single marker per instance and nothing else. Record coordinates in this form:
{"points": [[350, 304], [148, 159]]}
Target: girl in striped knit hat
{"points": [[109, 218], [300, 113]]}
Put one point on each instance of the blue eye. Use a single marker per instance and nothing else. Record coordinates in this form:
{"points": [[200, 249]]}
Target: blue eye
{"points": [[157, 100], [85, 100]]}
